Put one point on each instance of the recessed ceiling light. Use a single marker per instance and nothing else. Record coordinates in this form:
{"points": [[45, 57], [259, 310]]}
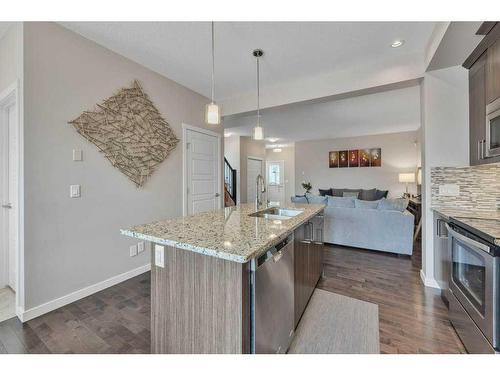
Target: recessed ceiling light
{"points": [[276, 149], [272, 140], [226, 135], [397, 43]]}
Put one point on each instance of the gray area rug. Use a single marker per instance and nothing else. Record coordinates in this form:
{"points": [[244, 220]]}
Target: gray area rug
{"points": [[335, 324]]}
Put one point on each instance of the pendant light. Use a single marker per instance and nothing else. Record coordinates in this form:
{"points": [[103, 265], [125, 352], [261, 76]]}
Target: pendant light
{"points": [[258, 132], [212, 110]]}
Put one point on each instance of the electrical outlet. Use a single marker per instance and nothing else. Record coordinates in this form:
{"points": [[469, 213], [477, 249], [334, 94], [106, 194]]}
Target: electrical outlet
{"points": [[140, 247], [160, 256], [75, 191], [133, 250], [450, 190], [77, 155]]}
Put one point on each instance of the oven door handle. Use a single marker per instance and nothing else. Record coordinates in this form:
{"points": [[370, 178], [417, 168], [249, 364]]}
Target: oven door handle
{"points": [[467, 240]]}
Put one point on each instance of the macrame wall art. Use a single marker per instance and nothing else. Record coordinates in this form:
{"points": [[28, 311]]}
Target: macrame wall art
{"points": [[128, 129]]}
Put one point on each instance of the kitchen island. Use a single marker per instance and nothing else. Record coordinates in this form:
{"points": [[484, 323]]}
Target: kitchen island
{"points": [[203, 292]]}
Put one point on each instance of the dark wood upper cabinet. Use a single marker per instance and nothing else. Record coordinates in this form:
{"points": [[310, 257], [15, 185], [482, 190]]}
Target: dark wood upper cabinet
{"points": [[493, 72], [484, 88], [477, 110]]}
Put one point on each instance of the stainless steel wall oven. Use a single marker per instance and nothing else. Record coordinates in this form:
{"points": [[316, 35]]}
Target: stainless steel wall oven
{"points": [[474, 299]]}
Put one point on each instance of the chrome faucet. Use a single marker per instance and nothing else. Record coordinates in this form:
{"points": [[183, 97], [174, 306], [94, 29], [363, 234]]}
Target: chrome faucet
{"points": [[260, 189]]}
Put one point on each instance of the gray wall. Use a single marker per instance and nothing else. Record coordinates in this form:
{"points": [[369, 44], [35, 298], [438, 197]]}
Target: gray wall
{"points": [[399, 154], [11, 56], [74, 243], [249, 147]]}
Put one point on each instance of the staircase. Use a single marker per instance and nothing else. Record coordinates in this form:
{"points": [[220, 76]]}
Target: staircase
{"points": [[229, 184]]}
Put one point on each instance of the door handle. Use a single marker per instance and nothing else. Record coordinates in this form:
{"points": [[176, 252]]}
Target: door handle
{"points": [[8, 205], [217, 195]]}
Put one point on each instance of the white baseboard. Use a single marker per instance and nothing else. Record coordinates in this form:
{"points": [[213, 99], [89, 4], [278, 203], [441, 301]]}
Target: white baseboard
{"points": [[429, 281], [79, 294]]}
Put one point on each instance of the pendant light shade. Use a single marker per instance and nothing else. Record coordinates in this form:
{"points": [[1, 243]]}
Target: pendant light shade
{"points": [[212, 114], [258, 131], [212, 110]]}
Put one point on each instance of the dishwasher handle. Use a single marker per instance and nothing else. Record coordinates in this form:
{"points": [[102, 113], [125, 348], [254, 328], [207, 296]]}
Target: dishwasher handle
{"points": [[275, 253]]}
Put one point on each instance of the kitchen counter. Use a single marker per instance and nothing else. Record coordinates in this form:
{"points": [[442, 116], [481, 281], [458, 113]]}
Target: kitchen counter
{"points": [[487, 222], [228, 233]]}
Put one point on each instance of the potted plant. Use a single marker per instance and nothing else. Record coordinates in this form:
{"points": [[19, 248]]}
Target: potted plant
{"points": [[307, 186]]}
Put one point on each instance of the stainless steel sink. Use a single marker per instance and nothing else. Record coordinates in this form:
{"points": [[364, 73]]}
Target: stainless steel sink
{"points": [[277, 213]]}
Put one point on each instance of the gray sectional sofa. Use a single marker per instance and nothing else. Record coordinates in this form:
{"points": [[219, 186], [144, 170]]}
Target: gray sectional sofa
{"points": [[383, 224]]}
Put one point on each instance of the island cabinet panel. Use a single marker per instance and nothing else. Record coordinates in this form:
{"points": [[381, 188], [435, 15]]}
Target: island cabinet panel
{"points": [[199, 304], [308, 267]]}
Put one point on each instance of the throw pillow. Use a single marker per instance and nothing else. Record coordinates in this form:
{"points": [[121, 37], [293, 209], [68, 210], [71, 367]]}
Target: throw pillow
{"points": [[336, 192], [398, 204], [316, 199], [324, 192], [350, 194], [358, 203], [368, 195], [340, 202], [381, 194]]}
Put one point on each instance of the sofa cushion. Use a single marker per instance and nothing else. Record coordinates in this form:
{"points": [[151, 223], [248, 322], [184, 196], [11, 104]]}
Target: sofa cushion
{"points": [[359, 203], [350, 194], [381, 194], [316, 199], [368, 195], [398, 204], [347, 202], [299, 199], [324, 192]]}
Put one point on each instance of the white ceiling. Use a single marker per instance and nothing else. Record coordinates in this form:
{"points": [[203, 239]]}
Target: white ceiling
{"points": [[385, 112], [303, 60]]}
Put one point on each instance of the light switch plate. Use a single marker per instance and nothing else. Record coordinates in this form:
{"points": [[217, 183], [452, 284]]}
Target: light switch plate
{"points": [[77, 155], [160, 256], [133, 250], [74, 191], [140, 247]]}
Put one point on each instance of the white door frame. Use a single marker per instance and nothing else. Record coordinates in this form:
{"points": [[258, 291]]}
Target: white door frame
{"points": [[8, 97], [282, 179], [185, 128]]}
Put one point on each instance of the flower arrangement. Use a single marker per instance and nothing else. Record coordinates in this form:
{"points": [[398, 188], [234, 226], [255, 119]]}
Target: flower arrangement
{"points": [[307, 186]]}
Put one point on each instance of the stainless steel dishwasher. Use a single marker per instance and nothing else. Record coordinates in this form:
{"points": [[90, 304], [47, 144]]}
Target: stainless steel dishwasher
{"points": [[272, 307]]}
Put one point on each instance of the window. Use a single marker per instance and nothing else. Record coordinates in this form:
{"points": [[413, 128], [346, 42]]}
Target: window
{"points": [[274, 177]]}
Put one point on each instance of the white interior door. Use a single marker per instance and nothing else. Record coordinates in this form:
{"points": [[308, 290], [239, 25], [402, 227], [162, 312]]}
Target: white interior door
{"points": [[254, 168], [8, 190], [202, 172], [276, 182]]}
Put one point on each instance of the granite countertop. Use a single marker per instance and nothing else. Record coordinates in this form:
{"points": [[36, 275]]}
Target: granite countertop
{"points": [[485, 221], [227, 233]]}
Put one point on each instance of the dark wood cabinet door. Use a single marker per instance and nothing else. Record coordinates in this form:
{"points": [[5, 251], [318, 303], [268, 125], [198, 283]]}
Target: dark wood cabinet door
{"points": [[477, 110], [493, 72], [301, 260]]}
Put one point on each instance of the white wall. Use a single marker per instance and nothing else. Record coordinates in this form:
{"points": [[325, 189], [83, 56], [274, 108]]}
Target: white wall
{"points": [[287, 154], [399, 154], [445, 134], [232, 154], [74, 243]]}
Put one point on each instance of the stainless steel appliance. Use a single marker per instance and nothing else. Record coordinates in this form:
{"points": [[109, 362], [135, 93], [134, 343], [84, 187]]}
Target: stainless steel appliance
{"points": [[492, 143], [474, 285], [272, 305]]}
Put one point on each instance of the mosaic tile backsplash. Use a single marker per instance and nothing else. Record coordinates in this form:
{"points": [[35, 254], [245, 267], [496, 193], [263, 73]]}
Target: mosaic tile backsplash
{"points": [[479, 187]]}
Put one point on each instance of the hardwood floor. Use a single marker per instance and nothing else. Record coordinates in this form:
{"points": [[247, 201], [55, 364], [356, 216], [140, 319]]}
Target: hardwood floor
{"points": [[115, 320], [413, 319]]}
